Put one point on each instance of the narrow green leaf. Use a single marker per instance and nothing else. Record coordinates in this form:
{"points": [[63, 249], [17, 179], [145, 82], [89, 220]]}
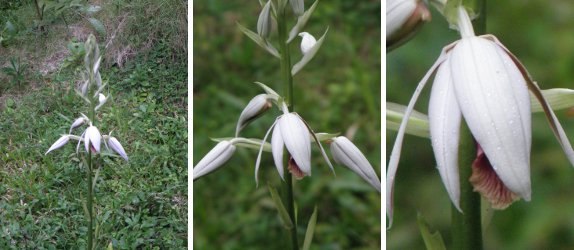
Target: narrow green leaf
{"points": [[307, 57], [285, 219], [260, 41], [418, 124], [557, 98], [433, 241], [310, 230], [98, 26], [301, 22]]}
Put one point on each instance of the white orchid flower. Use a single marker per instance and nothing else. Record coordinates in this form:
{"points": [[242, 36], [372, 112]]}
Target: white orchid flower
{"points": [[214, 159], [403, 18], [116, 146], [291, 132], [101, 98], [307, 42], [92, 139], [255, 108], [480, 80], [59, 143], [346, 153]]}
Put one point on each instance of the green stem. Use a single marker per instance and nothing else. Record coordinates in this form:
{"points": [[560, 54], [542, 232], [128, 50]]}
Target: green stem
{"points": [[287, 81], [466, 227], [90, 203]]}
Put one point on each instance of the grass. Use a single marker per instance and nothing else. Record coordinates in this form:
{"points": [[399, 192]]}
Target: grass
{"points": [[338, 91], [140, 204]]}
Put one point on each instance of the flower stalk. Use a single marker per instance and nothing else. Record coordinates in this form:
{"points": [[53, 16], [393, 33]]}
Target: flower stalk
{"points": [[287, 81], [466, 227]]}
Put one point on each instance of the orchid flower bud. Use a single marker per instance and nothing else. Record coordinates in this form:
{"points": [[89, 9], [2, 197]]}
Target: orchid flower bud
{"points": [[93, 138], [264, 23], [214, 159], [403, 18], [255, 108], [298, 7], [307, 42], [78, 122], [59, 143], [116, 146], [346, 153], [101, 98]]}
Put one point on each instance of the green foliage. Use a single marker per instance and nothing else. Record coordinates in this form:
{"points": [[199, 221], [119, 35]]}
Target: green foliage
{"points": [[16, 71]]}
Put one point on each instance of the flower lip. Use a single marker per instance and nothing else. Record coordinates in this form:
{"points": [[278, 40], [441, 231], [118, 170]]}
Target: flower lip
{"points": [[214, 159], [93, 138]]}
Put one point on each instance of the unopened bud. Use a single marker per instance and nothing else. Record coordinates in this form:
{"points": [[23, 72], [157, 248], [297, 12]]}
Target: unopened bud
{"points": [[403, 19], [264, 22]]}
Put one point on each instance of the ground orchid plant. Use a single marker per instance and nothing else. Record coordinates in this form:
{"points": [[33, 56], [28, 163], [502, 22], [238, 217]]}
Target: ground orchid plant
{"points": [[91, 91], [291, 135], [479, 120]]}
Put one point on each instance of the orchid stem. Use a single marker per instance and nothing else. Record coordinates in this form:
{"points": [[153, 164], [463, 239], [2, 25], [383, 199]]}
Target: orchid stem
{"points": [[466, 227], [287, 81], [92, 117]]}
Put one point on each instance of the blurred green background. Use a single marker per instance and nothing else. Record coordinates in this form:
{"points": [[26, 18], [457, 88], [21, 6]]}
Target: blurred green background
{"points": [[338, 91], [540, 34]]}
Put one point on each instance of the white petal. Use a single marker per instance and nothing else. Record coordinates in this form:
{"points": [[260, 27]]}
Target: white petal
{"points": [[117, 147], [347, 154], [444, 125], [277, 149], [296, 137], [494, 101], [396, 152], [58, 144], [214, 159], [261, 150]]}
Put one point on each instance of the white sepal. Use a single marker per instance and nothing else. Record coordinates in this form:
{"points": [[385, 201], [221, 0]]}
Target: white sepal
{"points": [[277, 149], [444, 124], [59, 143], [258, 161], [346, 153], [116, 146], [214, 159], [495, 103]]}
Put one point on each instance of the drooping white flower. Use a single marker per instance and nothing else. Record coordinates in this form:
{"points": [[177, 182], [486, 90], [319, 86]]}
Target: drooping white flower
{"points": [[59, 143], [307, 42], [92, 139], [101, 98], [291, 131], [255, 108], [480, 80], [214, 159], [403, 18], [346, 153], [116, 146]]}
